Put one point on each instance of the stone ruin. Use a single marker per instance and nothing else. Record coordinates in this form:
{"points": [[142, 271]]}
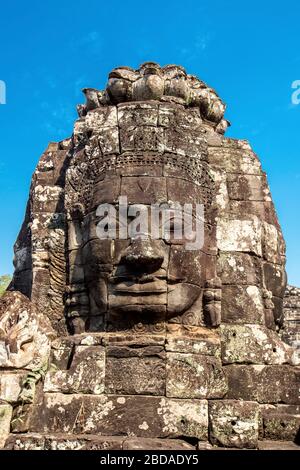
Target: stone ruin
{"points": [[139, 343]]}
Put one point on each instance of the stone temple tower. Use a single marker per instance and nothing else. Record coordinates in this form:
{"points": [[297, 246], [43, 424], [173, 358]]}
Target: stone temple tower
{"points": [[139, 342]]}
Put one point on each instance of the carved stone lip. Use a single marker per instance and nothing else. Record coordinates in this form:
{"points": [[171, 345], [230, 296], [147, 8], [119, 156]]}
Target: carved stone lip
{"points": [[142, 279], [136, 288]]}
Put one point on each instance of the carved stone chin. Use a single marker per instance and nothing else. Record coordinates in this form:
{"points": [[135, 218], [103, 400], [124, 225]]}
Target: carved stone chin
{"points": [[147, 298]]}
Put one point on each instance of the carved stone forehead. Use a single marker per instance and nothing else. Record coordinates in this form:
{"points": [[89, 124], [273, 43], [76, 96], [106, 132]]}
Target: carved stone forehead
{"points": [[145, 179]]}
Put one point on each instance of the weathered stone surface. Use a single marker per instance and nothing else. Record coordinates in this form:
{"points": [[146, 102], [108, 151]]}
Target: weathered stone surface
{"points": [[180, 263], [271, 243], [11, 386], [277, 445], [85, 375], [47, 199], [108, 140], [290, 317], [239, 268], [101, 117], [24, 333], [35, 441], [132, 340], [21, 415], [275, 279], [141, 114], [143, 138], [144, 189], [156, 444], [254, 344], [194, 376], [242, 304], [281, 422], [135, 370], [192, 339], [221, 191], [247, 211], [32, 441], [247, 187], [245, 236], [121, 415], [204, 446], [61, 350], [234, 423], [265, 384], [235, 156], [5, 418], [106, 191]]}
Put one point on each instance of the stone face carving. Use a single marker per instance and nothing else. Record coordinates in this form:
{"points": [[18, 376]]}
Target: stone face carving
{"points": [[129, 281], [181, 343]]}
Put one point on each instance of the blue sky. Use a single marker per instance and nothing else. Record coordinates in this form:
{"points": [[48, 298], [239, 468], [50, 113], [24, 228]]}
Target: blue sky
{"points": [[248, 51]]}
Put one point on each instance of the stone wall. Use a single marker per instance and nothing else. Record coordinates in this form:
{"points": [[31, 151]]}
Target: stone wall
{"points": [[291, 317], [187, 389]]}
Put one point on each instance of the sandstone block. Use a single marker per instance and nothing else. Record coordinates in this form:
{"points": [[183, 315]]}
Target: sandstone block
{"points": [[247, 187], [32, 441], [86, 374], [47, 199], [106, 192], [5, 418], [253, 344], [221, 191], [141, 416], [137, 114], [192, 339], [242, 304], [263, 383], [277, 445], [271, 243], [135, 371], [61, 350], [11, 386], [146, 138], [239, 235], [194, 376], [235, 160], [108, 139], [101, 117], [234, 423], [179, 142], [156, 444], [238, 268], [275, 279], [281, 422]]}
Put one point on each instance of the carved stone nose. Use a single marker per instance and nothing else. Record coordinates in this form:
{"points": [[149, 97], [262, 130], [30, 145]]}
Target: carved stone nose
{"points": [[143, 255]]}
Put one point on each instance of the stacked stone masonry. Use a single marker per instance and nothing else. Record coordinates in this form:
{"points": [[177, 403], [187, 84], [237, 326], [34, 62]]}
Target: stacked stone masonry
{"points": [[141, 343], [291, 317]]}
